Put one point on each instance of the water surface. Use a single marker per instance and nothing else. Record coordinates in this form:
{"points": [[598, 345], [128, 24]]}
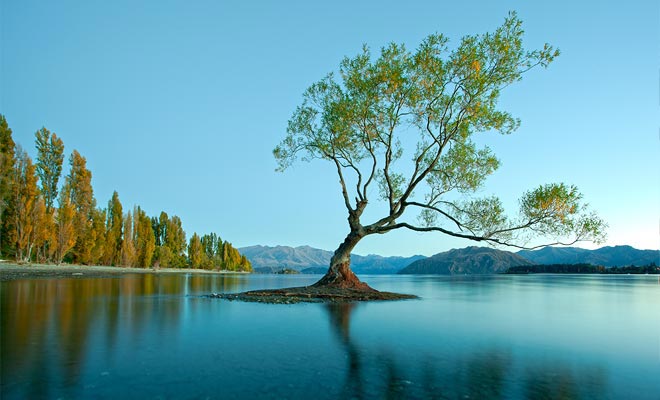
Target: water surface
{"points": [[154, 336]]}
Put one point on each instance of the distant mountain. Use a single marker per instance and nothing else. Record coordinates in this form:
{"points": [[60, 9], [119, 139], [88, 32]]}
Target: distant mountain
{"points": [[373, 264], [314, 270], [279, 257], [616, 256], [310, 260], [470, 260]]}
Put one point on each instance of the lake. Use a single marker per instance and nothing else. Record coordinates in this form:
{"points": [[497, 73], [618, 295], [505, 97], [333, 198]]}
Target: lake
{"points": [[154, 336]]}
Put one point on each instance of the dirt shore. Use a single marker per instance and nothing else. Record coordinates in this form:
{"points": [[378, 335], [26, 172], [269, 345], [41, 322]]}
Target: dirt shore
{"points": [[312, 294], [10, 272]]}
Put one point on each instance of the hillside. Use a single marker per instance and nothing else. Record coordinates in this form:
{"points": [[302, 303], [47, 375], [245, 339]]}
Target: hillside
{"points": [[374, 264], [279, 257], [311, 260], [611, 256], [470, 260]]}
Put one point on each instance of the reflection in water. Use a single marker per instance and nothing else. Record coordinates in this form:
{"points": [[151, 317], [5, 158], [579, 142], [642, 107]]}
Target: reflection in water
{"points": [[487, 374], [46, 324], [151, 336], [340, 323], [558, 382]]}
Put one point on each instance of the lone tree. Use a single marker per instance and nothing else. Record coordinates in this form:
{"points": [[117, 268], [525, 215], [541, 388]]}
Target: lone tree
{"points": [[432, 101]]}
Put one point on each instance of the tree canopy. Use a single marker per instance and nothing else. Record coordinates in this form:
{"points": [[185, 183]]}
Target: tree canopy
{"points": [[406, 121], [34, 228]]}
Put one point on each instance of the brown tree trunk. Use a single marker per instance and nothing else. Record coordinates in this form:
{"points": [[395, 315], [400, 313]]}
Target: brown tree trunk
{"points": [[339, 274]]}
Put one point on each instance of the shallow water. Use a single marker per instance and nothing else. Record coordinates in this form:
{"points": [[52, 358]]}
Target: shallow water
{"points": [[154, 336]]}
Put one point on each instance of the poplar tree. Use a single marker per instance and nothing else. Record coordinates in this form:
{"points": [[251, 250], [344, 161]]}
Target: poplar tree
{"points": [[78, 189], [50, 155], [162, 254], [113, 235], [43, 232], [127, 245], [24, 201], [7, 150], [97, 237], [210, 260], [143, 238], [245, 264], [65, 232], [175, 241], [195, 251]]}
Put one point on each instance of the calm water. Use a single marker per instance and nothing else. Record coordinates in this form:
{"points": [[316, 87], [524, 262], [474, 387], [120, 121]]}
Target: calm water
{"points": [[153, 336]]}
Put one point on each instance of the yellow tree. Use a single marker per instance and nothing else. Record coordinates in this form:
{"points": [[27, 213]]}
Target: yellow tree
{"points": [[78, 189], [143, 238], [43, 230], [231, 258], [175, 241], [245, 264], [65, 233], [113, 233], [50, 155], [127, 245], [97, 237], [23, 204], [7, 149], [195, 251]]}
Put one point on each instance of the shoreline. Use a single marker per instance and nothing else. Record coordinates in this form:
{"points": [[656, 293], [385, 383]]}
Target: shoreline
{"points": [[11, 271]]}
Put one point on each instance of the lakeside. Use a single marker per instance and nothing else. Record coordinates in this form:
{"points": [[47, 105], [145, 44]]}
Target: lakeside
{"points": [[11, 271]]}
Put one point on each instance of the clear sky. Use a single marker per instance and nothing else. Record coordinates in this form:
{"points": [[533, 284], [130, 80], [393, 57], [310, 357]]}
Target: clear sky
{"points": [[177, 105]]}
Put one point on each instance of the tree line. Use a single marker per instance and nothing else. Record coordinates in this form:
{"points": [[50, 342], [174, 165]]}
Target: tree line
{"points": [[45, 222], [583, 269]]}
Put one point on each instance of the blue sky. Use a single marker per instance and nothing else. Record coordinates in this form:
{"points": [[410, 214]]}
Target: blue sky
{"points": [[177, 105]]}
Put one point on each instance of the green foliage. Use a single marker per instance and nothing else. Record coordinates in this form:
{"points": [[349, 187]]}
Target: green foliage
{"points": [[143, 238], [78, 189], [75, 230], [170, 241], [195, 251], [213, 253], [113, 233], [432, 102], [128, 254], [556, 210], [98, 238], [50, 155]]}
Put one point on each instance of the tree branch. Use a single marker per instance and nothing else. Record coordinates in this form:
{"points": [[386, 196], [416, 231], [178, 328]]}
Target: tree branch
{"points": [[476, 238], [344, 192], [430, 207]]}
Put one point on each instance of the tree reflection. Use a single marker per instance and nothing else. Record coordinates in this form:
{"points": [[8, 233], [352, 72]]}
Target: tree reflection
{"points": [[340, 322], [46, 325], [481, 374], [557, 381]]}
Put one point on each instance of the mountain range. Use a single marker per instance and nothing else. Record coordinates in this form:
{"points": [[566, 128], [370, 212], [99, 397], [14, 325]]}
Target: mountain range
{"points": [[470, 260], [307, 259], [467, 261], [611, 256]]}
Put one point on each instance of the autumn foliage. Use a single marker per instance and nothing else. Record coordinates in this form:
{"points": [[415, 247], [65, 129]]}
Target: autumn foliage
{"points": [[45, 222]]}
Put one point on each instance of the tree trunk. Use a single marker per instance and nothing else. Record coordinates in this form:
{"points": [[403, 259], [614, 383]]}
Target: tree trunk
{"points": [[339, 274]]}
